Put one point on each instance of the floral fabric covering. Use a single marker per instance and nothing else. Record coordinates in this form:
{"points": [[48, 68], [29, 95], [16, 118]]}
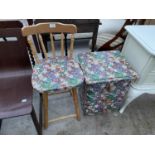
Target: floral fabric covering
{"points": [[107, 80], [97, 98], [56, 74], [105, 67]]}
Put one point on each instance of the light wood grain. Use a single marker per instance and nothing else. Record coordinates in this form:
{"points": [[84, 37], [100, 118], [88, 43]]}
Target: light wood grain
{"points": [[43, 46], [52, 45], [45, 106], [33, 50], [61, 118], [49, 28], [76, 105], [62, 44], [71, 46]]}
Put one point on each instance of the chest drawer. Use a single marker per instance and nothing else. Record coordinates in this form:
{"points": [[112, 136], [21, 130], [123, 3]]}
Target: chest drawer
{"points": [[150, 79], [136, 56]]}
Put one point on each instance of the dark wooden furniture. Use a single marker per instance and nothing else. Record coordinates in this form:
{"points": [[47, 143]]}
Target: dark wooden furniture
{"points": [[15, 75], [10, 24], [83, 26]]}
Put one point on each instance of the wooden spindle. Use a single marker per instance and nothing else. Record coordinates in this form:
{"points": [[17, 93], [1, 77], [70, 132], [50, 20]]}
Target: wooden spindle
{"points": [[52, 45], [34, 52], [43, 46], [62, 44], [71, 46]]}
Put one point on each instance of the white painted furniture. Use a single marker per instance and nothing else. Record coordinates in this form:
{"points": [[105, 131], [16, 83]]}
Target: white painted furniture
{"points": [[139, 50]]}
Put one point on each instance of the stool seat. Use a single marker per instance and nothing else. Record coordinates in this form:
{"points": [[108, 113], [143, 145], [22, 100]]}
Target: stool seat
{"points": [[56, 74]]}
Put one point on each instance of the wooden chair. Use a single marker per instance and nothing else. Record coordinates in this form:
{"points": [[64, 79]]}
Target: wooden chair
{"points": [[107, 41], [15, 76], [10, 24], [54, 74]]}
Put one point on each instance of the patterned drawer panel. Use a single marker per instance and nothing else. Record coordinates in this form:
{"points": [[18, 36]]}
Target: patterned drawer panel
{"points": [[107, 81]]}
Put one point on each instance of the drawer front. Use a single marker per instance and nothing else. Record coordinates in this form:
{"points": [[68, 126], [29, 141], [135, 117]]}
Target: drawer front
{"points": [[150, 79], [135, 54], [100, 97]]}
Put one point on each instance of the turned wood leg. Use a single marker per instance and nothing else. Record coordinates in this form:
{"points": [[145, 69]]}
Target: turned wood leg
{"points": [[45, 104], [76, 105]]}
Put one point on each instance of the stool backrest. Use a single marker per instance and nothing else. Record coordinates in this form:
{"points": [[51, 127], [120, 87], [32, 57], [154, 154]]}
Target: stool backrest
{"points": [[49, 28]]}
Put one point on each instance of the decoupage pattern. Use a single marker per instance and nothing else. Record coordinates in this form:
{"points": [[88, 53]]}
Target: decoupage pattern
{"points": [[107, 81], [56, 74]]}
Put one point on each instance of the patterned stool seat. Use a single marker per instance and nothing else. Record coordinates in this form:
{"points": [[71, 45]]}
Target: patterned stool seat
{"points": [[105, 67], [56, 74]]}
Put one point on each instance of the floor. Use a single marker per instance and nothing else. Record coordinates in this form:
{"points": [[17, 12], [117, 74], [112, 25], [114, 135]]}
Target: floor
{"points": [[138, 118]]}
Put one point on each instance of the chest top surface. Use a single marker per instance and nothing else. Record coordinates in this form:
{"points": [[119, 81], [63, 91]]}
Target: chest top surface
{"points": [[105, 67], [145, 35]]}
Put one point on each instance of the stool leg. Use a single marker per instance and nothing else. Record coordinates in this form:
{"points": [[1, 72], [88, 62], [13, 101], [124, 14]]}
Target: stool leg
{"points": [[76, 105], [45, 104], [41, 109]]}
